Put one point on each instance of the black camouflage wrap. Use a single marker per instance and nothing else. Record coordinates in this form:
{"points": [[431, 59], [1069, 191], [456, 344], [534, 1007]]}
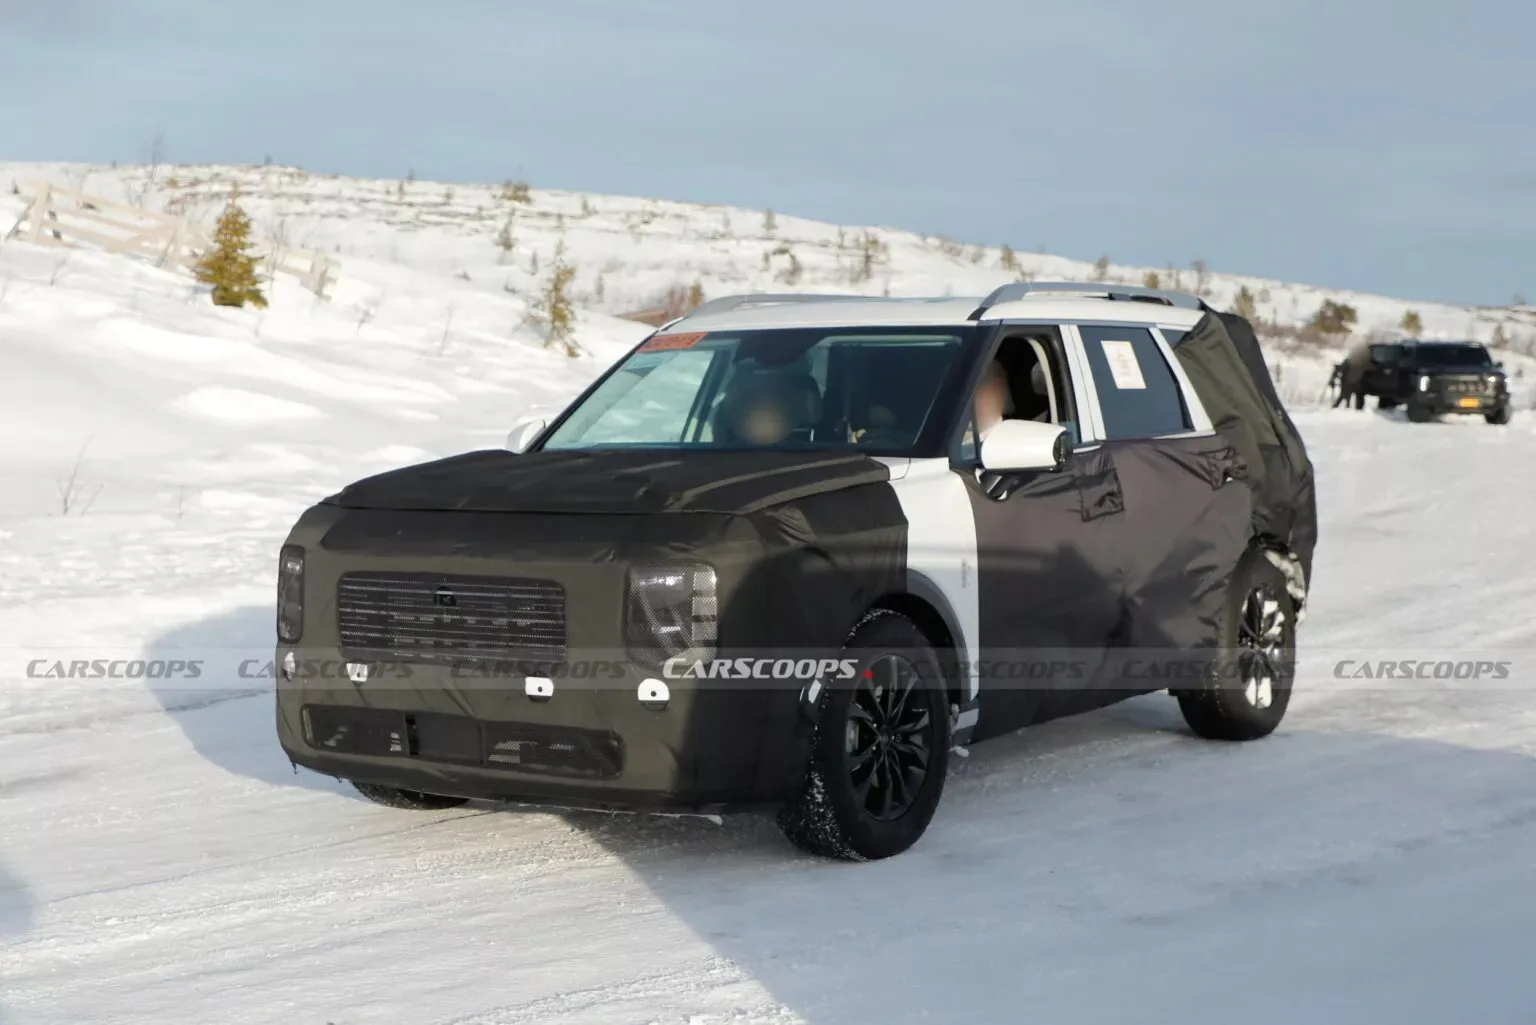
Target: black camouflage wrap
{"points": [[802, 545], [1130, 547], [1223, 360]]}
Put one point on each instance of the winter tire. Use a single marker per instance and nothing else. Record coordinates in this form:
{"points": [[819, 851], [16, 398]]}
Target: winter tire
{"points": [[413, 800], [1419, 414], [1498, 416], [879, 751], [1247, 694], [1385, 403]]}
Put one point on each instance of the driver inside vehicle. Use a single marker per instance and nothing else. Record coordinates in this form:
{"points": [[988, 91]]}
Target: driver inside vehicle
{"points": [[767, 409]]}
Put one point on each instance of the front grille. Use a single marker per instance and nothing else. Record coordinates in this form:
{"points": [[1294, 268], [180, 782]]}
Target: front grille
{"points": [[435, 617], [565, 751], [1465, 386]]}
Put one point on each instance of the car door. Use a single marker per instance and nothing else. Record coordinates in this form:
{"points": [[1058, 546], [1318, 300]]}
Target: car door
{"points": [[1049, 551], [1384, 370], [1186, 513]]}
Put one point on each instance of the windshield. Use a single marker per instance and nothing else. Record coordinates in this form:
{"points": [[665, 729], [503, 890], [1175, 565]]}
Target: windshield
{"points": [[819, 388], [1453, 356]]}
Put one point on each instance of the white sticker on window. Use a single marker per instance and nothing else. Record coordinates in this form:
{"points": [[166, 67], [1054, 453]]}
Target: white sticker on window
{"points": [[1121, 357]]}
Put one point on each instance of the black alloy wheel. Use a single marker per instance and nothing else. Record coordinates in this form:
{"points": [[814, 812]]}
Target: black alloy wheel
{"points": [[887, 738]]}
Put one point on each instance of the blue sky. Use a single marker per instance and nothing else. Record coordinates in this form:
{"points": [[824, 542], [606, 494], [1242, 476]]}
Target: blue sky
{"points": [[1385, 146]]}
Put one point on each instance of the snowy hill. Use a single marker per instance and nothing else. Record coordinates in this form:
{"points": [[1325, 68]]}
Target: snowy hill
{"points": [[629, 253], [159, 860]]}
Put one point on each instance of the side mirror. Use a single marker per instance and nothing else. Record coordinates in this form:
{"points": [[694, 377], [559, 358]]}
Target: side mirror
{"points": [[1016, 445], [524, 433]]}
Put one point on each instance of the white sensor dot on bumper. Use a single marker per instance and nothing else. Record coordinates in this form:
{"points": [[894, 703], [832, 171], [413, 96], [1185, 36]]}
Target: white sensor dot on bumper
{"points": [[539, 688], [654, 694]]}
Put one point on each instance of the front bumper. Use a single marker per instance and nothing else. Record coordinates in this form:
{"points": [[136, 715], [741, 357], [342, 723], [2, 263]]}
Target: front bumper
{"points": [[1439, 401], [614, 743]]}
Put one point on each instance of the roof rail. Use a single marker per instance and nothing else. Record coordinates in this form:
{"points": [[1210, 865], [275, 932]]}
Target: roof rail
{"points": [[734, 302], [1123, 293]]}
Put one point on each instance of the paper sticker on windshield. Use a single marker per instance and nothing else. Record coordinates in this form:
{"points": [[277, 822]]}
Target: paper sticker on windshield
{"points": [[662, 343], [1121, 357]]}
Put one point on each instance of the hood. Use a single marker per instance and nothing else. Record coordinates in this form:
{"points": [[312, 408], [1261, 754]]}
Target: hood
{"points": [[1469, 370], [613, 481]]}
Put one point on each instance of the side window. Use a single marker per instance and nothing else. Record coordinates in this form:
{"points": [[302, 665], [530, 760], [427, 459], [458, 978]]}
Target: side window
{"points": [[1025, 379], [1138, 395]]}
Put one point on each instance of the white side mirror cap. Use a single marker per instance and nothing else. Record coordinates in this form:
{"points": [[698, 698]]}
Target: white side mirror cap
{"points": [[522, 435], [1017, 445]]}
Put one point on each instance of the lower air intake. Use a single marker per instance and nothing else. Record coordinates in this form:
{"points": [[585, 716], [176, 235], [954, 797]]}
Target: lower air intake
{"points": [[565, 751]]}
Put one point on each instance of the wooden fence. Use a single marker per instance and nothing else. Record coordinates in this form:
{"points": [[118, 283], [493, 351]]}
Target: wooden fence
{"points": [[59, 216]]}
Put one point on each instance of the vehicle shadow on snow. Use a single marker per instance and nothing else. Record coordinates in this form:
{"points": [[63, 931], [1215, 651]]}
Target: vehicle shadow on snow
{"points": [[1112, 868], [1334, 871], [15, 918], [227, 712]]}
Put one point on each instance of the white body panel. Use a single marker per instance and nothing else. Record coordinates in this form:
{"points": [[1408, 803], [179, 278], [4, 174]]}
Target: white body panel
{"points": [[941, 550]]}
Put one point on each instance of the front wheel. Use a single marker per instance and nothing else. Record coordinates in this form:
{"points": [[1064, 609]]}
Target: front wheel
{"points": [[413, 800], [1419, 414], [1498, 416], [880, 750], [1246, 696]]}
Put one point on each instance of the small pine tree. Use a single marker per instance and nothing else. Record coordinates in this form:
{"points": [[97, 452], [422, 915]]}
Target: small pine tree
{"points": [[1411, 324], [770, 223], [1244, 304], [1008, 260], [516, 192], [1499, 340], [554, 308], [504, 240], [1151, 280], [1101, 268], [872, 251], [1198, 266], [228, 265], [1333, 318], [696, 295]]}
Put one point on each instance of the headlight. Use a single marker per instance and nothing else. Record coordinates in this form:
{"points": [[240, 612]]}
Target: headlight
{"points": [[671, 610], [290, 594], [1493, 378], [1424, 382]]}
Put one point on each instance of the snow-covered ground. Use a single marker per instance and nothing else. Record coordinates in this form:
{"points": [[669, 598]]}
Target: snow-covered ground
{"points": [[160, 861]]}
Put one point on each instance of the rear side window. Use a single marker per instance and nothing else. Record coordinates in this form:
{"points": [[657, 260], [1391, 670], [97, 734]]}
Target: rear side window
{"points": [[1138, 394]]}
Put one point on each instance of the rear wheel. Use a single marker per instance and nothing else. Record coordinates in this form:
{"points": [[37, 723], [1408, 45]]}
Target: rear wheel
{"points": [[880, 750], [414, 800], [1386, 403], [1246, 696]]}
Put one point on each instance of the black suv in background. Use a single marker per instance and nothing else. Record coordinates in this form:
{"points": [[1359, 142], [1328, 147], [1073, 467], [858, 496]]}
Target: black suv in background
{"points": [[1432, 378]]}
